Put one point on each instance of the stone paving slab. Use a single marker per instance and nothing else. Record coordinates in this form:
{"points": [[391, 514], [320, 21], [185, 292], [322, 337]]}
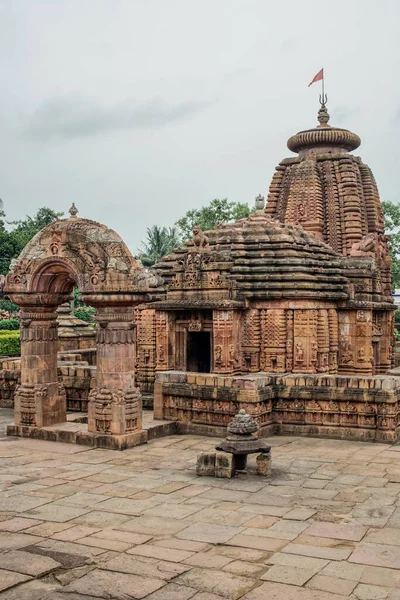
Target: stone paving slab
{"points": [[139, 524], [226, 585], [108, 584], [9, 579], [138, 566]]}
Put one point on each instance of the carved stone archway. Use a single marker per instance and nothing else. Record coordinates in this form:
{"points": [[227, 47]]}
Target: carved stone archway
{"points": [[88, 254]]}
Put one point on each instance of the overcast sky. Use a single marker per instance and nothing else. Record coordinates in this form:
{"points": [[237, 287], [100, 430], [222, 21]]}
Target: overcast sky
{"points": [[138, 110]]}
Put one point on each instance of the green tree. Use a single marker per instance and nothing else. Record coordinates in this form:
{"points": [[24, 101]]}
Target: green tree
{"points": [[24, 230], [391, 213], [217, 212], [13, 241], [160, 241], [8, 248]]}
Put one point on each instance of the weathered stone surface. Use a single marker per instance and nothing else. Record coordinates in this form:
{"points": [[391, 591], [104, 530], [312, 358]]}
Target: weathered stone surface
{"points": [[97, 518], [14, 541], [106, 584], [137, 565], [122, 536], [57, 512], [298, 561], [318, 551], [370, 592], [215, 534], [379, 555], [224, 465], [27, 563], [205, 466], [263, 464], [241, 567], [278, 591], [207, 560], [9, 579], [345, 531], [170, 460], [17, 524], [221, 583], [386, 535], [171, 591], [344, 587], [289, 575], [34, 590], [149, 525], [168, 554]]}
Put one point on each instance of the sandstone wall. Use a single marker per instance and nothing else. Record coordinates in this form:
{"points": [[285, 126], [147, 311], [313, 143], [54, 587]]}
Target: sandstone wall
{"points": [[354, 408], [77, 369]]}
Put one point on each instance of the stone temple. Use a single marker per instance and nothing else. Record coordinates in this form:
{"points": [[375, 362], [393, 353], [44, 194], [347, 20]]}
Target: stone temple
{"points": [[287, 314]]}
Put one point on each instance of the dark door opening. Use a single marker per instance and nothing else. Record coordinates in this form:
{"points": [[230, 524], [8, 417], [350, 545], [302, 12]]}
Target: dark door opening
{"points": [[199, 351]]}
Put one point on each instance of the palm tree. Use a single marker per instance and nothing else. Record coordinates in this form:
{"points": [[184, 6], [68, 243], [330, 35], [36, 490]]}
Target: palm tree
{"points": [[160, 241]]}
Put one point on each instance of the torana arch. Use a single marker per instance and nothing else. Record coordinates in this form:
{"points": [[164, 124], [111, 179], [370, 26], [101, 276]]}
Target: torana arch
{"points": [[92, 256]]}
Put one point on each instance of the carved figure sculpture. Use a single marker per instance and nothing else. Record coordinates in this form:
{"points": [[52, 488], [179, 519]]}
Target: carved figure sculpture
{"points": [[299, 353], [147, 278], [199, 238], [365, 247]]}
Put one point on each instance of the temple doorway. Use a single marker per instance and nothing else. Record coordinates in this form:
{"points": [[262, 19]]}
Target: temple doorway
{"points": [[198, 357]]}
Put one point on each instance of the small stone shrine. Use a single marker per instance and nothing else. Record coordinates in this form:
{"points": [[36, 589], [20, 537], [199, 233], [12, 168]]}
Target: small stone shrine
{"points": [[239, 443], [241, 440]]}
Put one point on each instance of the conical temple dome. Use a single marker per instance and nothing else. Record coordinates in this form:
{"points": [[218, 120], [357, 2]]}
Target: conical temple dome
{"points": [[323, 138], [328, 191]]}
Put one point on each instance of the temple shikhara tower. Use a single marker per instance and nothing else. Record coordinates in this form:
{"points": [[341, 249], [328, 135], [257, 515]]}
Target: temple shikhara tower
{"points": [[333, 194]]}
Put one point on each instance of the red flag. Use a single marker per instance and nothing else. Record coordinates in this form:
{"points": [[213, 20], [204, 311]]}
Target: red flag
{"points": [[318, 77]]}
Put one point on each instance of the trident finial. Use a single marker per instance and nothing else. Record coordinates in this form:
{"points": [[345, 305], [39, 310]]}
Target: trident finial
{"points": [[323, 115], [73, 211]]}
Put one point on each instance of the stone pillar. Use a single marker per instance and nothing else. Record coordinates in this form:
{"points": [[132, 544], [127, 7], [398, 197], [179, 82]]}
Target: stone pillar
{"points": [[40, 399], [115, 406]]}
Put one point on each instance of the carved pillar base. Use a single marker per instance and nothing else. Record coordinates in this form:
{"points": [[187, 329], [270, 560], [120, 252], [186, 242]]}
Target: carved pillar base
{"points": [[114, 412], [39, 405]]}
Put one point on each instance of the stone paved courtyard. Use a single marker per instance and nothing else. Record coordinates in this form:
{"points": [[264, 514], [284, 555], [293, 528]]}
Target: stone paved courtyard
{"points": [[79, 524]]}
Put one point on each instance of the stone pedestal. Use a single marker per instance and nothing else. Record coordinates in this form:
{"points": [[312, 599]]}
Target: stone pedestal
{"points": [[215, 464], [115, 406], [40, 400]]}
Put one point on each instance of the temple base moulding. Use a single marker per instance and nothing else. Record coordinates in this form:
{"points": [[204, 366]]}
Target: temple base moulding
{"points": [[76, 433]]}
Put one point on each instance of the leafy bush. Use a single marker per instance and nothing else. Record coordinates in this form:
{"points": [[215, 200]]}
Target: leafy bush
{"points": [[10, 344], [86, 313], [7, 306], [9, 324]]}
